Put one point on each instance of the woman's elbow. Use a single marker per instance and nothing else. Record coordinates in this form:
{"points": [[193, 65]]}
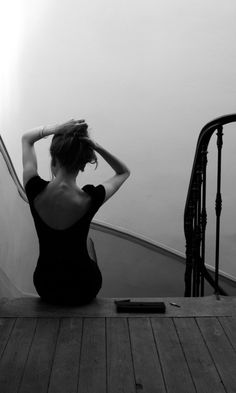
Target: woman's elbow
{"points": [[128, 173]]}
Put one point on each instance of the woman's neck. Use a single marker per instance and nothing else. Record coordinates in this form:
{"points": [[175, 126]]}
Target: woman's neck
{"points": [[64, 178]]}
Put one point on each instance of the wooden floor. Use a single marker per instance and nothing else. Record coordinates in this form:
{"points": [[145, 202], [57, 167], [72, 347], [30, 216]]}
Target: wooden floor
{"points": [[191, 348]]}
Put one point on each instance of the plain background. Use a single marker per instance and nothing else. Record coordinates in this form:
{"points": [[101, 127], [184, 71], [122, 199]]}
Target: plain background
{"points": [[147, 75]]}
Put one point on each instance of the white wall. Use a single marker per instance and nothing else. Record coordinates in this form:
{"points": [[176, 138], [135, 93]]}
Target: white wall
{"points": [[146, 75]]}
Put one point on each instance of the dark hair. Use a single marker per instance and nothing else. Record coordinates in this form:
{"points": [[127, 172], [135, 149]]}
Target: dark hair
{"points": [[71, 151]]}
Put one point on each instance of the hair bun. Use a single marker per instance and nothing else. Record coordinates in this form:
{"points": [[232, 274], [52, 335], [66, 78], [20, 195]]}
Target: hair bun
{"points": [[70, 152]]}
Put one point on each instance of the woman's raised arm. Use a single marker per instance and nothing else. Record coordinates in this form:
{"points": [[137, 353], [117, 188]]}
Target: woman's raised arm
{"points": [[122, 171]]}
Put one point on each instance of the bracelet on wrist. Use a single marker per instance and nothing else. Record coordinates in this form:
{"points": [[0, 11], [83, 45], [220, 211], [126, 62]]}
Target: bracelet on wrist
{"points": [[42, 133]]}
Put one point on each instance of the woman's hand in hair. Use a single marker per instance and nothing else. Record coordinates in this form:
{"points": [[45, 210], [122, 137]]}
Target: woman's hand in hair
{"points": [[69, 126]]}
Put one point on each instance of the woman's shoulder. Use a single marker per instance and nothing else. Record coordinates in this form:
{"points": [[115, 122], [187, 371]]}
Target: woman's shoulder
{"points": [[34, 186], [97, 193], [35, 179], [91, 189]]}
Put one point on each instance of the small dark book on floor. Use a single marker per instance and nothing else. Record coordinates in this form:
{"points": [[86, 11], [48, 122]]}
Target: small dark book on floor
{"points": [[133, 306]]}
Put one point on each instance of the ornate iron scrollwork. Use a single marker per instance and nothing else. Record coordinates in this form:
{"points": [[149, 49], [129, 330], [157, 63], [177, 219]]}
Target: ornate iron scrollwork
{"points": [[195, 215]]}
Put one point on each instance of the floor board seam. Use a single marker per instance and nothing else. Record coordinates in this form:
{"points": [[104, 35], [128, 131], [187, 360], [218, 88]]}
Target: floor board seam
{"points": [[184, 355], [131, 352], [158, 355], [211, 356], [23, 373], [54, 353], [8, 338], [225, 331], [80, 353]]}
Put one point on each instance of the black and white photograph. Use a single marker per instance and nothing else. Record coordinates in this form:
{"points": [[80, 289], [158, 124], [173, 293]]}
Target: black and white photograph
{"points": [[117, 196]]}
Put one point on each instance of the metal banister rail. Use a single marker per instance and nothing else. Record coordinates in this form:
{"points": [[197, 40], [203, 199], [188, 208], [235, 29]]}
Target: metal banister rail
{"points": [[195, 214]]}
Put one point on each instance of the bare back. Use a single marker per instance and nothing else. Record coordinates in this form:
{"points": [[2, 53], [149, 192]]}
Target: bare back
{"points": [[60, 206]]}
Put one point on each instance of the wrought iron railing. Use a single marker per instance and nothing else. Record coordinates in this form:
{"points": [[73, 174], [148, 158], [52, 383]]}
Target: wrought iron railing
{"points": [[195, 214]]}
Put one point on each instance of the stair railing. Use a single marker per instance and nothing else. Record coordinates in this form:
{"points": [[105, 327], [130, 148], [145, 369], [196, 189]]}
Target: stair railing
{"points": [[195, 214]]}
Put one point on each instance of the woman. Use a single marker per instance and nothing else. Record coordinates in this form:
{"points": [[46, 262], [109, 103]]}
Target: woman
{"points": [[62, 212]]}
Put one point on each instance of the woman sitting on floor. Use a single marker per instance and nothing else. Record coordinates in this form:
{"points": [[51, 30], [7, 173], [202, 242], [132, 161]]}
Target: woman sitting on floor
{"points": [[67, 272]]}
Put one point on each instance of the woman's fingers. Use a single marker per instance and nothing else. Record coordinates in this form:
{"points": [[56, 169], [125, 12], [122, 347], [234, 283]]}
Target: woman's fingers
{"points": [[80, 124], [69, 125], [79, 121]]}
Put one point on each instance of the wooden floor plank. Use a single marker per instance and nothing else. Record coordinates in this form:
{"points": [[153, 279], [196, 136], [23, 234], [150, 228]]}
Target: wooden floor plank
{"points": [[147, 368], [92, 372], [6, 326], [120, 374], [229, 326], [65, 368], [13, 360], [174, 365], [202, 368], [38, 366], [221, 350]]}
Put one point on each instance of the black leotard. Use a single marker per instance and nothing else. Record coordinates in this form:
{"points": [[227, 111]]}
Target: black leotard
{"points": [[65, 273]]}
